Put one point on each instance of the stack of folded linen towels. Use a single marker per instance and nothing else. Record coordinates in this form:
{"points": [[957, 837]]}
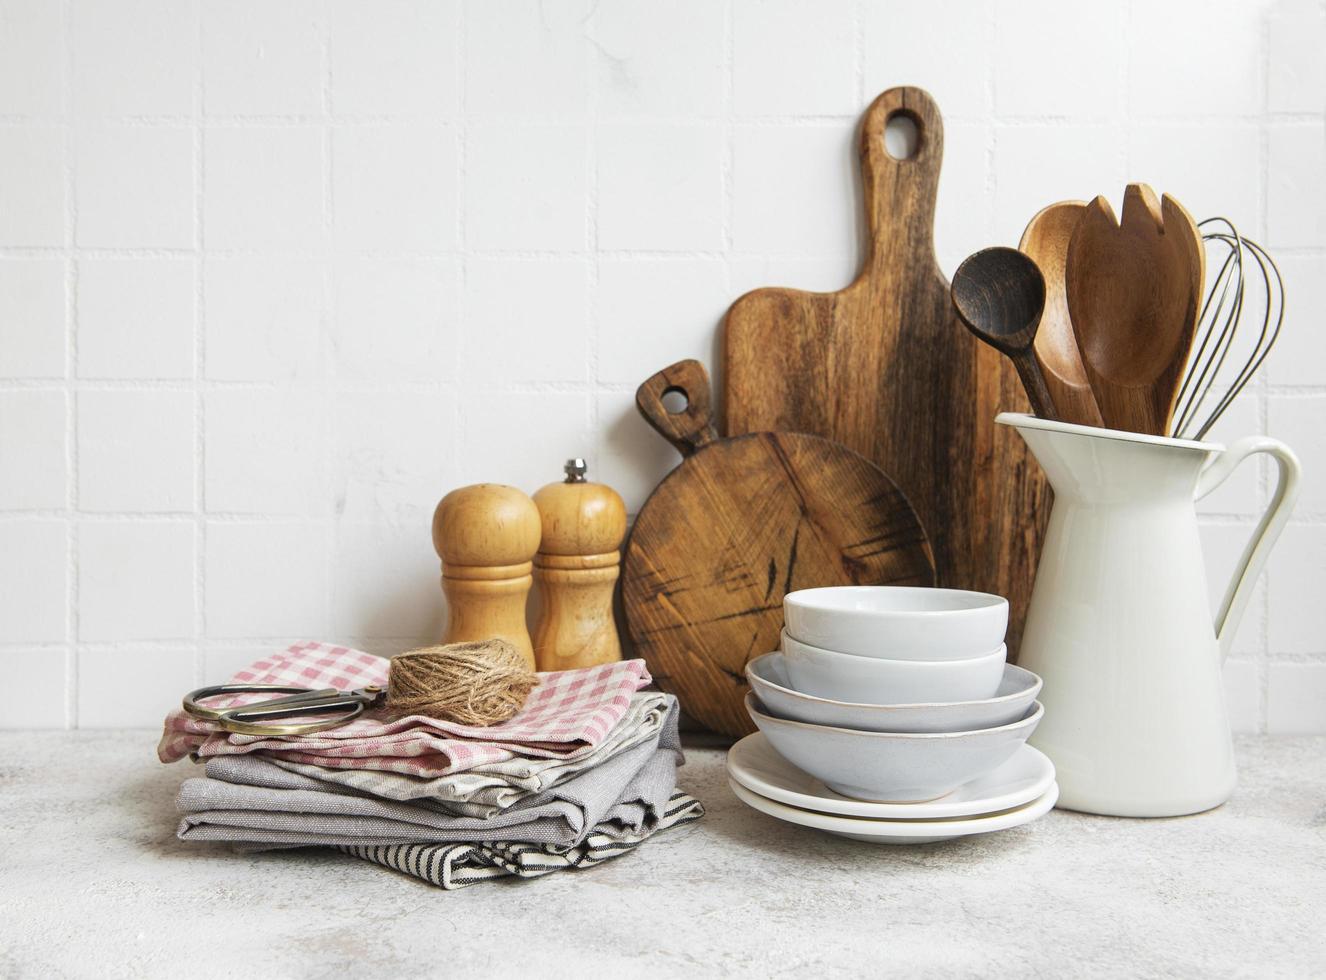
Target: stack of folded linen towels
{"points": [[583, 773]]}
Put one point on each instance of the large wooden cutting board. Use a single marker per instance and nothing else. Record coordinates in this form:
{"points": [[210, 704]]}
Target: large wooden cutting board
{"points": [[885, 368], [738, 524]]}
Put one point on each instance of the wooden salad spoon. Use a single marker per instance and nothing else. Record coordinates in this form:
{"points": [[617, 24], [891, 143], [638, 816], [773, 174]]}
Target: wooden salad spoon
{"points": [[1045, 240], [1134, 293], [999, 295]]}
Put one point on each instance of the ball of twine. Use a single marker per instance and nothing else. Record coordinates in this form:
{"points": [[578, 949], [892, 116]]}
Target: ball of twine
{"points": [[479, 683]]}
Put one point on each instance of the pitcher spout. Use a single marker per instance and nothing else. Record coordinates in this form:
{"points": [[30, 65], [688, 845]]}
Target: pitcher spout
{"points": [[1086, 463]]}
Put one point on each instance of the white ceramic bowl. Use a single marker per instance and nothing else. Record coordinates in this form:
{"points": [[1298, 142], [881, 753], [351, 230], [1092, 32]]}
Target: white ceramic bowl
{"points": [[1017, 689], [871, 680], [896, 622], [888, 766]]}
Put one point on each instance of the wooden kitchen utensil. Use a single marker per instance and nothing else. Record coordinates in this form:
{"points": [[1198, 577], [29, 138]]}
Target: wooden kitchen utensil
{"points": [[884, 368], [999, 295], [1045, 240], [577, 568], [737, 525], [1134, 293], [486, 536]]}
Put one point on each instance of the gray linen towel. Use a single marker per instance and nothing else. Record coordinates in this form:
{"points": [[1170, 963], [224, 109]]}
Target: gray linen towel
{"points": [[248, 800], [487, 789]]}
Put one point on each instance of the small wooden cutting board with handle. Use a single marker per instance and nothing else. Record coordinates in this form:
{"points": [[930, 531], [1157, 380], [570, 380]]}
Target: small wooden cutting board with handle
{"points": [[737, 525], [885, 368]]}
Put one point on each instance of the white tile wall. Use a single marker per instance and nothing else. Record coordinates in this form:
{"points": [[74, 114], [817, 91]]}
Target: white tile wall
{"points": [[1296, 77], [266, 318], [274, 277], [34, 192], [532, 186], [32, 315], [263, 59], [33, 427], [527, 59], [1037, 74], [265, 452], [135, 580], [34, 580], [266, 187], [778, 203], [394, 187], [133, 57], [505, 311], [681, 167], [136, 318], [660, 59], [133, 186], [394, 319], [135, 450], [390, 449], [31, 54], [788, 58]]}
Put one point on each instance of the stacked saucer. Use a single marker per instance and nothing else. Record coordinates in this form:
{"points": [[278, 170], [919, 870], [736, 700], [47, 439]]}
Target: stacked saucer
{"points": [[891, 716]]}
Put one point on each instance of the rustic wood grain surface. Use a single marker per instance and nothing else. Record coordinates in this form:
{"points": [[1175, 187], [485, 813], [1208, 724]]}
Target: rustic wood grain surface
{"points": [[740, 523], [885, 368]]}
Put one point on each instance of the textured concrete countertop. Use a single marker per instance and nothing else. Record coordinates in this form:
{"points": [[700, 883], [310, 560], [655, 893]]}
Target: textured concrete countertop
{"points": [[93, 883]]}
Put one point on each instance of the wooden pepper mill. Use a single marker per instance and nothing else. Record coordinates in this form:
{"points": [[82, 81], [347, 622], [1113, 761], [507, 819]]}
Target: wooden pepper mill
{"points": [[486, 536], [577, 567]]}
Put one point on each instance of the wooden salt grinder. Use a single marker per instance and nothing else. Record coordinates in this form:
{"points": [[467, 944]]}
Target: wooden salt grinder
{"points": [[486, 536], [577, 567]]}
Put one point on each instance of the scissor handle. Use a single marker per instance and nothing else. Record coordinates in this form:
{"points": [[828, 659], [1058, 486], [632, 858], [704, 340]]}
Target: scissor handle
{"points": [[192, 706], [248, 719], [317, 703]]}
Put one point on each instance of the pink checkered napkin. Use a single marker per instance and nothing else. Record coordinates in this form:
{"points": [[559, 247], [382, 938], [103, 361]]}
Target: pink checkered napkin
{"points": [[308, 664], [568, 711]]}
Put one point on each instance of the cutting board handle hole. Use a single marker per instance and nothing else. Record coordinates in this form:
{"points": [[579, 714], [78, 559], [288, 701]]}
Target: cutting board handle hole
{"points": [[675, 400], [902, 135]]}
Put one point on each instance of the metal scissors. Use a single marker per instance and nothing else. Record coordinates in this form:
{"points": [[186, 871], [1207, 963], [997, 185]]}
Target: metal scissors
{"points": [[249, 719]]}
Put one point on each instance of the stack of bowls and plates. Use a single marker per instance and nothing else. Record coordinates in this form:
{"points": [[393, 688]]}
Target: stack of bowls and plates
{"points": [[890, 715]]}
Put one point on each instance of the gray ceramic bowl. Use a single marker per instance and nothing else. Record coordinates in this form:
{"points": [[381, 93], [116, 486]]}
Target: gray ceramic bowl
{"points": [[1017, 690], [874, 680], [889, 767]]}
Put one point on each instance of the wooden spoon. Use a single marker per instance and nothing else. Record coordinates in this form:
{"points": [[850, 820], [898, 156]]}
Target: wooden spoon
{"points": [[999, 294], [1046, 242], [1134, 292]]}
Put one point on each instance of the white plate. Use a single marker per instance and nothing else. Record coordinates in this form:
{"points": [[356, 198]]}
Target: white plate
{"points": [[754, 764], [899, 831]]}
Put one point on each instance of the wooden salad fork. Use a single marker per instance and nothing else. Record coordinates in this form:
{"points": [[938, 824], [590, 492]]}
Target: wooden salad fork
{"points": [[1134, 292]]}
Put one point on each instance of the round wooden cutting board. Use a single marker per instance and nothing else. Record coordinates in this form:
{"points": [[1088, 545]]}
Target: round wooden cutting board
{"points": [[740, 523]]}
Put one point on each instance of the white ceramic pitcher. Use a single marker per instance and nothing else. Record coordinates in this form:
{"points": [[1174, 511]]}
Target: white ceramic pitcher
{"points": [[1120, 626]]}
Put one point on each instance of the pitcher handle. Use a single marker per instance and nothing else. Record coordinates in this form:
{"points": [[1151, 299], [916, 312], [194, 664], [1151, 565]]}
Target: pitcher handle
{"points": [[1273, 521]]}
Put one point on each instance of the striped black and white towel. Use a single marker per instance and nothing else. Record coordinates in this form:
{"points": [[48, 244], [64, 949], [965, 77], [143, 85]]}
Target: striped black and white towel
{"points": [[452, 866]]}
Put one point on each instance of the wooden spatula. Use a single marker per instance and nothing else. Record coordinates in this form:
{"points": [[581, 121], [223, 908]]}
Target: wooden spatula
{"points": [[1134, 291], [1045, 241]]}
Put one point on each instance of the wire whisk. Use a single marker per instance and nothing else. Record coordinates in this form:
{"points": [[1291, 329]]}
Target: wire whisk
{"points": [[1219, 324]]}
